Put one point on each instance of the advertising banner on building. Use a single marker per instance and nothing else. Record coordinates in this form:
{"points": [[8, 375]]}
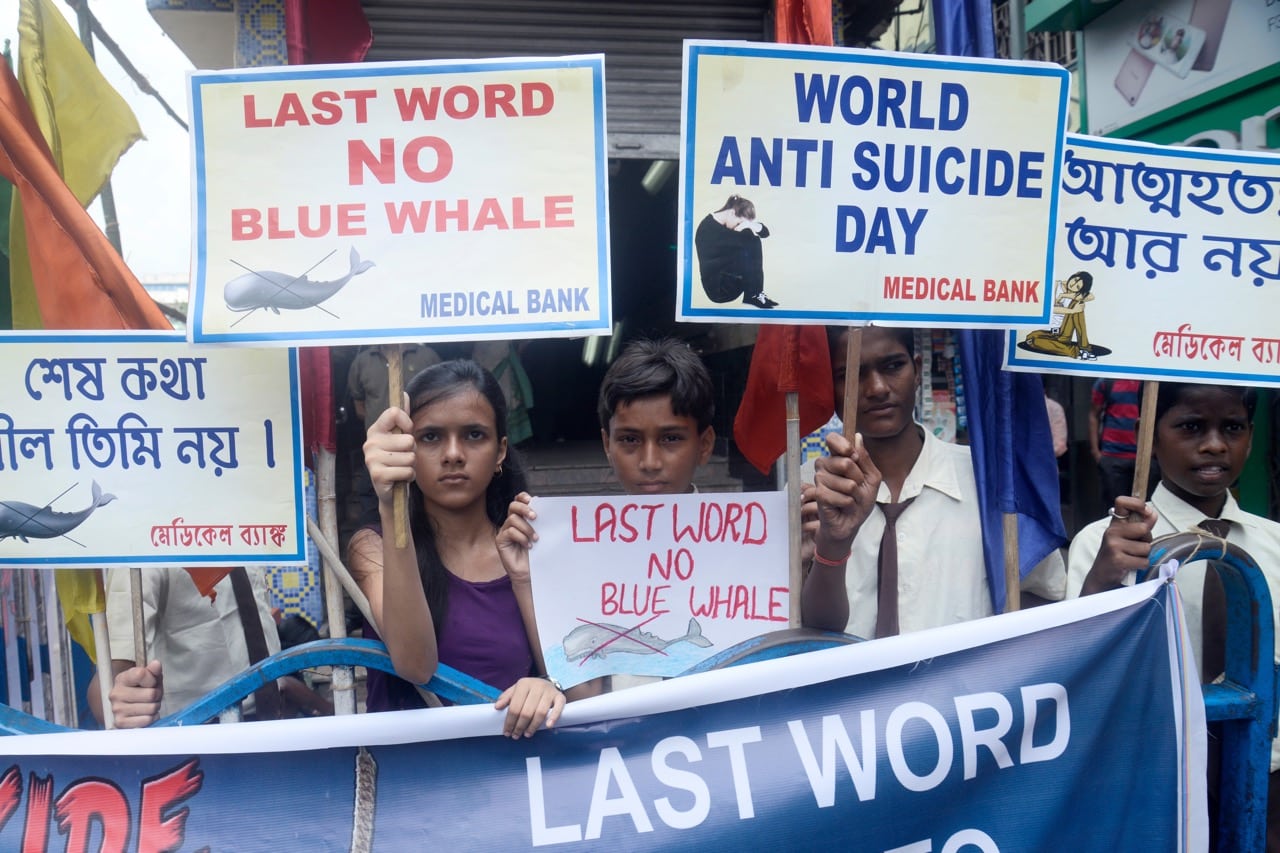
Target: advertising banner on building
{"points": [[1047, 729], [400, 201], [827, 185], [1147, 60], [1168, 265], [653, 585], [134, 449]]}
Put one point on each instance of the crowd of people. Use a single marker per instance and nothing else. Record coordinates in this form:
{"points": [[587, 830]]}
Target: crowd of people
{"points": [[890, 524]]}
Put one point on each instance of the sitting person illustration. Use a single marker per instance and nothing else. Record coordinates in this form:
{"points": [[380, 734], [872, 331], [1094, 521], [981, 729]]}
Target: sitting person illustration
{"points": [[1069, 336], [730, 258]]}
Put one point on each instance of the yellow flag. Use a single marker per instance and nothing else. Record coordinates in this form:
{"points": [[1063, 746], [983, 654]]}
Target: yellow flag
{"points": [[80, 594], [85, 121]]}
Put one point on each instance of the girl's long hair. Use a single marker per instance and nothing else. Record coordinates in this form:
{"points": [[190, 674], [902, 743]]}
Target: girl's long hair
{"points": [[436, 383]]}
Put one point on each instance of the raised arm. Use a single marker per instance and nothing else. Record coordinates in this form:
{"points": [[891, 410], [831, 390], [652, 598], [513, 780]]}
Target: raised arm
{"points": [[406, 627]]}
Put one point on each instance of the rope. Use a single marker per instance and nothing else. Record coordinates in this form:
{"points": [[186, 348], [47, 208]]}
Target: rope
{"points": [[365, 802]]}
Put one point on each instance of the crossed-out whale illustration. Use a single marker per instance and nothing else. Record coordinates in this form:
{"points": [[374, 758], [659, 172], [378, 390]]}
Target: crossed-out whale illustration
{"points": [[277, 290], [599, 639], [19, 520]]}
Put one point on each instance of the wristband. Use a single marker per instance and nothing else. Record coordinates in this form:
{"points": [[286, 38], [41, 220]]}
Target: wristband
{"points": [[554, 683], [835, 564]]}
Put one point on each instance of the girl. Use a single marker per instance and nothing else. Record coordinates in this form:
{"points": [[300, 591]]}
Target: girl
{"points": [[445, 597]]}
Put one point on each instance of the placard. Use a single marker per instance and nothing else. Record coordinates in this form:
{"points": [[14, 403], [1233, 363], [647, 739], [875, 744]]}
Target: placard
{"points": [[1168, 267], [652, 585], [400, 201], [143, 450], [900, 188]]}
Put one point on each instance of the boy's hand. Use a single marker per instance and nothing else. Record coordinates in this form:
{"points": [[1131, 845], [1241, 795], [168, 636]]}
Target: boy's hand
{"points": [[808, 520], [529, 703], [388, 454], [516, 538], [136, 695], [846, 486], [1126, 545]]}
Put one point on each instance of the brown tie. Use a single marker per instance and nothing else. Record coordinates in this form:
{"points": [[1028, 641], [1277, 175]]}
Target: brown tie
{"points": [[267, 697], [1213, 612], [887, 571]]}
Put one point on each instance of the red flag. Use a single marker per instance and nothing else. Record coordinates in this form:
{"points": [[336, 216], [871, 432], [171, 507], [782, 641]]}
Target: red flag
{"points": [[337, 32], [81, 282], [787, 358]]}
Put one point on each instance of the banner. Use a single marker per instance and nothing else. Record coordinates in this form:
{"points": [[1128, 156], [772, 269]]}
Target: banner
{"points": [[653, 585], [1167, 267], [1048, 729], [139, 449], [848, 185], [400, 201], [1147, 60]]}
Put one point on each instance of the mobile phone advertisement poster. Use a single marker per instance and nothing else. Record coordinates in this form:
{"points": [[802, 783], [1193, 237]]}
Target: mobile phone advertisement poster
{"points": [[1168, 267], [123, 450], [400, 201], [848, 185]]}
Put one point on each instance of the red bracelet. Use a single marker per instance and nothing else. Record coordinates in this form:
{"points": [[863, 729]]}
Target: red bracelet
{"points": [[835, 564]]}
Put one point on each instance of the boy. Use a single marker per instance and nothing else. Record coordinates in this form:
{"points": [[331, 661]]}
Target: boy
{"points": [[895, 468], [655, 406], [1203, 434]]}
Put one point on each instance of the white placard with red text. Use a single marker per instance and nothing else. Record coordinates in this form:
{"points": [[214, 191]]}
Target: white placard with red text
{"points": [[653, 585], [400, 201]]}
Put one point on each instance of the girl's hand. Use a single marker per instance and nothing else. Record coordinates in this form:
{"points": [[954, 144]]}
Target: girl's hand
{"points": [[529, 702], [516, 538], [388, 451]]}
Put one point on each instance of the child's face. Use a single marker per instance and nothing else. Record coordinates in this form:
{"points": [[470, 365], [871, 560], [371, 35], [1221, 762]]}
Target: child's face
{"points": [[652, 449], [456, 450], [887, 380], [1202, 444]]}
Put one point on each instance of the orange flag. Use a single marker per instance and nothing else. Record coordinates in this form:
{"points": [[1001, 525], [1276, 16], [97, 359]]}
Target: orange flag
{"points": [[787, 358], [80, 280]]}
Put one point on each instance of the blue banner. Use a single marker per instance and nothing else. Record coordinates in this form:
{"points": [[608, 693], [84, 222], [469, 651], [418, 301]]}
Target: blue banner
{"points": [[1069, 727]]}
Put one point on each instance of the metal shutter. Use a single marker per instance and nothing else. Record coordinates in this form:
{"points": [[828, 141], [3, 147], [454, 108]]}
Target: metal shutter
{"points": [[641, 42]]}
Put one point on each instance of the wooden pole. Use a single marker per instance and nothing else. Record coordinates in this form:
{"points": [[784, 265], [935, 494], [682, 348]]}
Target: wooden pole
{"points": [[400, 492], [102, 651], [1146, 438], [343, 684], [139, 634], [795, 572], [852, 365], [1012, 574]]}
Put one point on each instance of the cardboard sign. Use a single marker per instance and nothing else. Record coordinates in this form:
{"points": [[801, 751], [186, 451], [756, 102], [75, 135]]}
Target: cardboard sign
{"points": [[400, 201], [1168, 267], [652, 585], [142, 450], [900, 188]]}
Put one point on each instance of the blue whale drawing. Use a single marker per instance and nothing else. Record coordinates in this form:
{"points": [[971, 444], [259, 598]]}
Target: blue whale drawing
{"points": [[276, 290], [586, 641], [25, 521]]}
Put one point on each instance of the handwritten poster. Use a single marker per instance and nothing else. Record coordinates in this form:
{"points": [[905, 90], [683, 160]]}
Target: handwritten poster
{"points": [[1168, 267], [142, 450], [400, 201], [825, 185], [653, 585]]}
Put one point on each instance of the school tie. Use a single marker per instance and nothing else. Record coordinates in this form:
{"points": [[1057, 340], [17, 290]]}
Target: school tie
{"points": [[1213, 610], [266, 698], [887, 570]]}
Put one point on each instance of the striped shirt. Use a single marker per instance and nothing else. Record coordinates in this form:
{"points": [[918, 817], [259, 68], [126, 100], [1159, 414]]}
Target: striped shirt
{"points": [[1118, 401]]}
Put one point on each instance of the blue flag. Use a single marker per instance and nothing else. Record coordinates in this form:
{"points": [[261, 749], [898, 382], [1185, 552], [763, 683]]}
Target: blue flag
{"points": [[1009, 437]]}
